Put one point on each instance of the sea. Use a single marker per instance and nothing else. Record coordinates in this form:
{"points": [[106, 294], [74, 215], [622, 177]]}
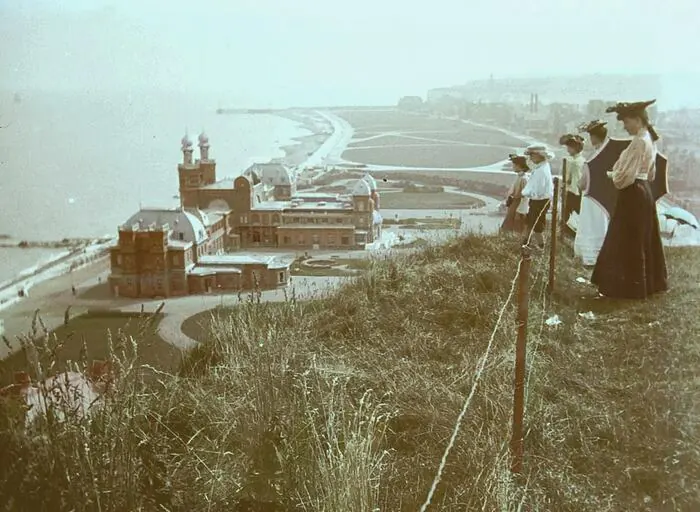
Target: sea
{"points": [[78, 164]]}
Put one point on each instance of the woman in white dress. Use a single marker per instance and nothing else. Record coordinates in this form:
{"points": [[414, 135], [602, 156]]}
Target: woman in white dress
{"points": [[592, 225], [593, 218]]}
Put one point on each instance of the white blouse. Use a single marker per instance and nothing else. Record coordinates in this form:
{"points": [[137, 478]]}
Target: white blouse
{"points": [[539, 185], [637, 161]]}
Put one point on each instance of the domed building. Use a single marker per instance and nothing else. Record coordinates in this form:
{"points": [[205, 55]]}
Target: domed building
{"points": [[164, 252], [265, 209]]}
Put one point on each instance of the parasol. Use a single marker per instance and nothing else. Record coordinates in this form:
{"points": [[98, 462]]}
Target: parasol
{"points": [[681, 216], [601, 188], [659, 186]]}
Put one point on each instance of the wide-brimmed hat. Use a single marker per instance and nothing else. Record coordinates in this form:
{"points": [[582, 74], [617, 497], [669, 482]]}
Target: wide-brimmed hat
{"points": [[519, 160], [539, 149], [591, 125], [626, 109], [571, 139]]}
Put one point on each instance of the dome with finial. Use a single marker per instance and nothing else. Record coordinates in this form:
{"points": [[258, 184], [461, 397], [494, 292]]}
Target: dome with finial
{"points": [[370, 181], [203, 138], [361, 188], [186, 142]]}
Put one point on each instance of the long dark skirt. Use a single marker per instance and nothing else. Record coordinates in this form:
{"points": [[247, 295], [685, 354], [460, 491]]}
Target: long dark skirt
{"points": [[631, 263]]}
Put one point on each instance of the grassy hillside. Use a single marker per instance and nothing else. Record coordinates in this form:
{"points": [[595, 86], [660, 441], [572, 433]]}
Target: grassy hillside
{"points": [[347, 403]]}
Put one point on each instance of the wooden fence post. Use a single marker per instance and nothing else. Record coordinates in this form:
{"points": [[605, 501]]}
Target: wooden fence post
{"points": [[564, 198], [553, 241], [517, 439]]}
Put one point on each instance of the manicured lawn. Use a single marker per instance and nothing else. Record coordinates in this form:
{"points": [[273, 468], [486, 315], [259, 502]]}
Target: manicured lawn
{"points": [[350, 266], [426, 223], [368, 123], [452, 156], [66, 343], [427, 201]]}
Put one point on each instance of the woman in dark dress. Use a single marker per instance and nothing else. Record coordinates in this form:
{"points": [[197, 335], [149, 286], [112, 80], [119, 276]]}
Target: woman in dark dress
{"points": [[631, 263]]}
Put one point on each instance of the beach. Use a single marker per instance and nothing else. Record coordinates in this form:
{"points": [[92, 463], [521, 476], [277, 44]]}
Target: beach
{"points": [[78, 165], [321, 139], [43, 273]]}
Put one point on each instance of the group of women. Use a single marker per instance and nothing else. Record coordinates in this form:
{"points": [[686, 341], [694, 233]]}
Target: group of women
{"points": [[625, 248]]}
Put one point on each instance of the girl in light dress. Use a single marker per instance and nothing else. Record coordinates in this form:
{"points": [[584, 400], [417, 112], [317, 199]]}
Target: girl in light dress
{"points": [[516, 216]]}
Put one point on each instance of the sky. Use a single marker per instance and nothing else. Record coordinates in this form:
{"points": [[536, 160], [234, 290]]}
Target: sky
{"points": [[332, 52]]}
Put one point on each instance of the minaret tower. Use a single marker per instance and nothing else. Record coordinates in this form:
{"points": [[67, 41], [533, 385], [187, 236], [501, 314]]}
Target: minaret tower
{"points": [[207, 165], [186, 172], [186, 150], [204, 146]]}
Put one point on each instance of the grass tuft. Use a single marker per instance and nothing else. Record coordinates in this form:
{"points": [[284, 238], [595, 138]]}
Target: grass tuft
{"points": [[346, 402]]}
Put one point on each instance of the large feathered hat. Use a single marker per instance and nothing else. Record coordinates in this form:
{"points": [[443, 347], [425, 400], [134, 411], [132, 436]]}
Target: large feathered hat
{"points": [[571, 139], [518, 160], [627, 109], [591, 125]]}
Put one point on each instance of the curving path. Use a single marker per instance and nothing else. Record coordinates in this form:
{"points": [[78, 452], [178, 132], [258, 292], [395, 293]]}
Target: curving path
{"points": [[330, 151], [179, 309]]}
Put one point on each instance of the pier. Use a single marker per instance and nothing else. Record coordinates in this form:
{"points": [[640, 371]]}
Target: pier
{"points": [[7, 242]]}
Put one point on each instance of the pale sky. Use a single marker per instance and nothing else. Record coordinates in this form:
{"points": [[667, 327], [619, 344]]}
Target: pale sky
{"points": [[331, 51]]}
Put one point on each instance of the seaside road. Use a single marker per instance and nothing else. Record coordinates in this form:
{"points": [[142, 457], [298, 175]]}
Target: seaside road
{"points": [[51, 298], [330, 151], [54, 296], [177, 310]]}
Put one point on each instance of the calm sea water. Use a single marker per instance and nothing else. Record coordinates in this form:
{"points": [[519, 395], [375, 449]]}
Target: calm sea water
{"points": [[78, 165]]}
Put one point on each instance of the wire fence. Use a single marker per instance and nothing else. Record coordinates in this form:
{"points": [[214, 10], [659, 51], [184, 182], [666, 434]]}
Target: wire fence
{"points": [[539, 277]]}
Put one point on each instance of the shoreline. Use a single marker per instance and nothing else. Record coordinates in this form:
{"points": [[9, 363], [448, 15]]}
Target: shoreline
{"points": [[58, 257], [60, 266], [86, 264]]}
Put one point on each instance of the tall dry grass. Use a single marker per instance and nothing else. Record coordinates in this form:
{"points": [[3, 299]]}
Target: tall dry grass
{"points": [[346, 402]]}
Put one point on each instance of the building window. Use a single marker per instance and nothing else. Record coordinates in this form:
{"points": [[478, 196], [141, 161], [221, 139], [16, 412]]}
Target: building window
{"points": [[316, 239], [255, 219], [339, 220], [287, 240], [301, 240], [244, 219], [181, 235], [275, 218], [345, 240], [281, 277], [361, 206], [256, 237], [331, 239]]}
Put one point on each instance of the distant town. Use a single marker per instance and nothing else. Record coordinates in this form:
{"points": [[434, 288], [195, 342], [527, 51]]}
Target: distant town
{"points": [[548, 107]]}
